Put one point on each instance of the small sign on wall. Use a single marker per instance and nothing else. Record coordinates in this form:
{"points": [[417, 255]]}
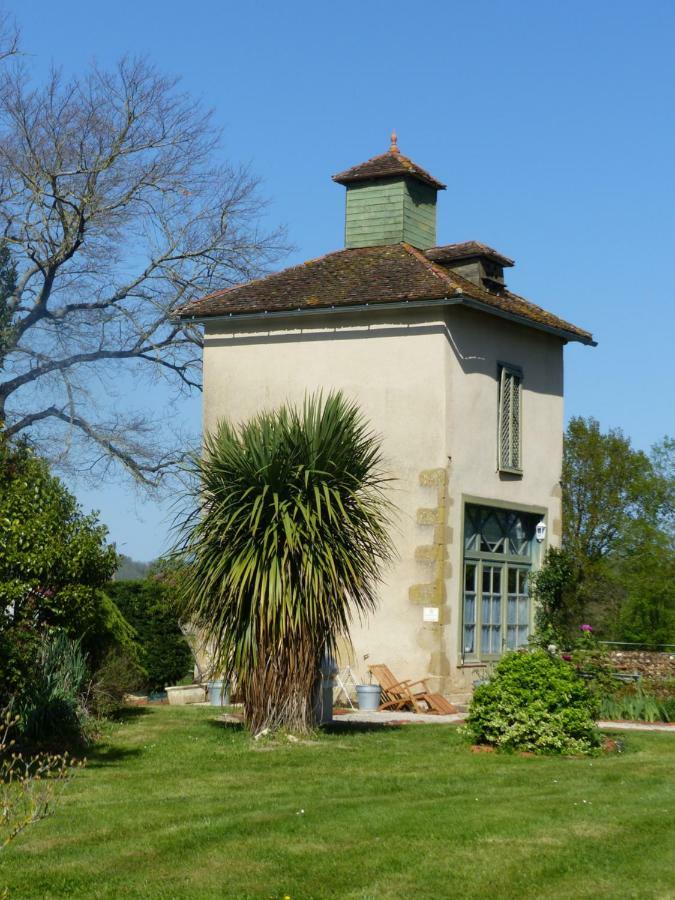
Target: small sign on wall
{"points": [[430, 614]]}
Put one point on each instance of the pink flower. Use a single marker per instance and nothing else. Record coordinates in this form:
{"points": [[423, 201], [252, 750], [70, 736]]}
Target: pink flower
{"points": [[586, 627]]}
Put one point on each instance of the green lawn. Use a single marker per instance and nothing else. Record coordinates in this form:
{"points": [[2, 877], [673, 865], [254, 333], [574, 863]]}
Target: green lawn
{"points": [[174, 804]]}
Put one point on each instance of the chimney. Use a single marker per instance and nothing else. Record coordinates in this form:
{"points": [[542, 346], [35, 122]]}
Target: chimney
{"points": [[389, 199]]}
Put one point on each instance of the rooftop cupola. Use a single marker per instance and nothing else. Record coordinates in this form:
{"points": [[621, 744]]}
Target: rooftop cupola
{"points": [[390, 199]]}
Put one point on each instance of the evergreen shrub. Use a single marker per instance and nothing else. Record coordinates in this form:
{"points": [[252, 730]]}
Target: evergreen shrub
{"points": [[534, 702], [54, 561], [148, 607], [118, 674]]}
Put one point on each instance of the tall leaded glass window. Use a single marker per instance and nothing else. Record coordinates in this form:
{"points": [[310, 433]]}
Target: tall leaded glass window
{"points": [[491, 610], [498, 552], [470, 575], [510, 416], [517, 607]]}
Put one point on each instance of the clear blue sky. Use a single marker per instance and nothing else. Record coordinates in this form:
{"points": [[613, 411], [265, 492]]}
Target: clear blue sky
{"points": [[553, 125]]}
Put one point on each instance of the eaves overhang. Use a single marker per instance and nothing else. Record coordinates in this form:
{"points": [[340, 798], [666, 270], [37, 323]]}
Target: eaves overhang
{"points": [[457, 299]]}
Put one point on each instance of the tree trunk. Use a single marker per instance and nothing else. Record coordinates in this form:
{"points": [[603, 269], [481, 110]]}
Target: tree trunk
{"points": [[280, 692]]}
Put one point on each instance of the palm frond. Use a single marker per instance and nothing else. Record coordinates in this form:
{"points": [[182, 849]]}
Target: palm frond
{"points": [[290, 545]]}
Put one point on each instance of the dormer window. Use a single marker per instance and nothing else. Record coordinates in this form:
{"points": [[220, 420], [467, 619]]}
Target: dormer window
{"points": [[474, 261], [509, 434]]}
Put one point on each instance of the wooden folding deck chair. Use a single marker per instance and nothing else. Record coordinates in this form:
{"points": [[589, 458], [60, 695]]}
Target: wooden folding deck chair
{"points": [[399, 695]]}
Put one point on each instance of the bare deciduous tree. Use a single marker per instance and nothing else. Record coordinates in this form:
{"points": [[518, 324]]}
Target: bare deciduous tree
{"points": [[9, 36], [113, 213]]}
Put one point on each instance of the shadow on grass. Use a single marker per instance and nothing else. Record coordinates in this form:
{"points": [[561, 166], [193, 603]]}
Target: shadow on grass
{"points": [[228, 725], [129, 713], [334, 728], [108, 755], [347, 728]]}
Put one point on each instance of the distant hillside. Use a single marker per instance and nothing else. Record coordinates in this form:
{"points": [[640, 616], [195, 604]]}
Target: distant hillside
{"points": [[130, 569]]}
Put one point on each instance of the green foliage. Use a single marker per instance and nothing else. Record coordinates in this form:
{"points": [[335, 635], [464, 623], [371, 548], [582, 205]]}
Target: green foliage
{"points": [[163, 653], [54, 560], [606, 485], [634, 705], [668, 707], [663, 691], [285, 543], [117, 675], [110, 631], [617, 566], [52, 705], [555, 616], [645, 570], [592, 661], [536, 702]]}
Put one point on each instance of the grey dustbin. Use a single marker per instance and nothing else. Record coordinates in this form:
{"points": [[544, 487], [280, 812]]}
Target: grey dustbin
{"points": [[219, 693], [368, 696]]}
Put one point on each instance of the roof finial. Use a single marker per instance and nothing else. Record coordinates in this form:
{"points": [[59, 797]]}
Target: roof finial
{"points": [[394, 146]]}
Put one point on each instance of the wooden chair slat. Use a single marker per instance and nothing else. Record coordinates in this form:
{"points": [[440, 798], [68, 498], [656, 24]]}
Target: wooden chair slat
{"points": [[397, 695]]}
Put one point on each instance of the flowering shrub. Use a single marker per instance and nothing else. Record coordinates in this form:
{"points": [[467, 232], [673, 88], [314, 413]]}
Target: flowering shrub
{"points": [[536, 702]]}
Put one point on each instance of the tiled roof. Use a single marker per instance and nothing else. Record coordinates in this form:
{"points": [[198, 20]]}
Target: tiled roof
{"points": [[467, 250], [369, 275], [387, 165]]}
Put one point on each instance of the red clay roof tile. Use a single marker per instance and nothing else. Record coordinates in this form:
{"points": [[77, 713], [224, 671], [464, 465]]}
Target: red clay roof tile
{"points": [[369, 275], [467, 250], [387, 165]]}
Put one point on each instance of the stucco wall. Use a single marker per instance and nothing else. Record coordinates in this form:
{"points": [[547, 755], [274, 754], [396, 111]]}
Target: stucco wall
{"points": [[477, 344], [427, 381]]}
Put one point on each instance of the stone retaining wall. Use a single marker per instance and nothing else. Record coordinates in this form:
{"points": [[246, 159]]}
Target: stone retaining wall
{"points": [[650, 664]]}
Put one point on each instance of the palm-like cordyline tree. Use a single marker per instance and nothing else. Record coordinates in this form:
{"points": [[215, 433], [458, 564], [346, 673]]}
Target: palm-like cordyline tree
{"points": [[286, 542]]}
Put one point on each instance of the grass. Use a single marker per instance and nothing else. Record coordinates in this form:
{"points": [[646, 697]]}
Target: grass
{"points": [[174, 804]]}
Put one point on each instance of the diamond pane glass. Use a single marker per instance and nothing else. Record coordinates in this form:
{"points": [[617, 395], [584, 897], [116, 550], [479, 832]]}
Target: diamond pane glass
{"points": [[496, 606], [492, 534]]}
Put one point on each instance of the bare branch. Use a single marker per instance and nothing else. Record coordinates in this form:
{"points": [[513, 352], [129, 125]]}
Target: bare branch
{"points": [[114, 211], [9, 37]]}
